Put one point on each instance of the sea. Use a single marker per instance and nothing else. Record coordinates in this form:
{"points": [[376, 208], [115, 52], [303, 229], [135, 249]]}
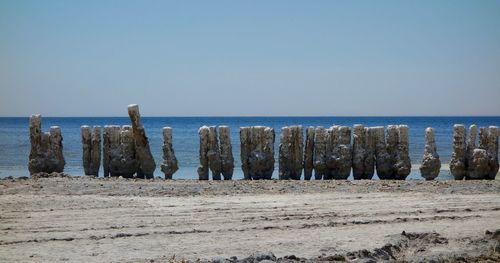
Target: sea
{"points": [[15, 145]]}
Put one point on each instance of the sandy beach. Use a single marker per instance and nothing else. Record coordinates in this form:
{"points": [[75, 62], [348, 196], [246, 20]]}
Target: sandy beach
{"points": [[83, 219]]}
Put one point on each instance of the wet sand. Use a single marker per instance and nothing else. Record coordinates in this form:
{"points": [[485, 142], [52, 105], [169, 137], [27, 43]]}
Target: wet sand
{"points": [[82, 219]]}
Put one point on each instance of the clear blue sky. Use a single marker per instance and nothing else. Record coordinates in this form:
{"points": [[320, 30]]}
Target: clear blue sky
{"points": [[258, 58]]}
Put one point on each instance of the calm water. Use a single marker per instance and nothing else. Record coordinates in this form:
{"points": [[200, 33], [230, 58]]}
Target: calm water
{"points": [[14, 138]]}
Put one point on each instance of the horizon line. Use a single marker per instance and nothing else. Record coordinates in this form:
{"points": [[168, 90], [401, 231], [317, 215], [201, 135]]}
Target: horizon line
{"points": [[263, 116]]}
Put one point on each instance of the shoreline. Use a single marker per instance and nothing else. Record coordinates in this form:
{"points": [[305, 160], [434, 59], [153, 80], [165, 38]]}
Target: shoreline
{"points": [[134, 220], [190, 173], [158, 187]]}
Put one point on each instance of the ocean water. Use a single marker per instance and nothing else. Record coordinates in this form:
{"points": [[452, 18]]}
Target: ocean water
{"points": [[14, 138]]}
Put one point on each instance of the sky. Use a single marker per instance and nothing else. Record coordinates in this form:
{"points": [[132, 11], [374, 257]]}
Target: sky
{"points": [[250, 58]]}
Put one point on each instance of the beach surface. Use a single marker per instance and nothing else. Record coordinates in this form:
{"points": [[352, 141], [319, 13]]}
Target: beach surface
{"points": [[83, 219]]}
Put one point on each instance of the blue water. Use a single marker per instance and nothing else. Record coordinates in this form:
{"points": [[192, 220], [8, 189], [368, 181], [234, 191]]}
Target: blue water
{"points": [[14, 139]]}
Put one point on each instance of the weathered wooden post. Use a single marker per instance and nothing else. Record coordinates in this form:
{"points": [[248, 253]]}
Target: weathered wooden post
{"points": [[245, 149], [169, 165], [402, 165], [309, 153], [87, 149], [111, 146], [213, 154], [339, 153], [56, 159], [471, 146], [91, 144], [431, 164], [392, 139], [320, 148], [471, 161], [493, 151], [203, 154], [147, 163], [226, 152], [458, 162], [382, 158], [257, 147], [345, 153], [291, 153], [95, 155], [46, 153], [124, 161], [363, 160]]}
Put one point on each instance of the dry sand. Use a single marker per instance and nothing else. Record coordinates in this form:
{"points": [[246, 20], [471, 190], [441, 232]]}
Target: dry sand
{"points": [[80, 219]]}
